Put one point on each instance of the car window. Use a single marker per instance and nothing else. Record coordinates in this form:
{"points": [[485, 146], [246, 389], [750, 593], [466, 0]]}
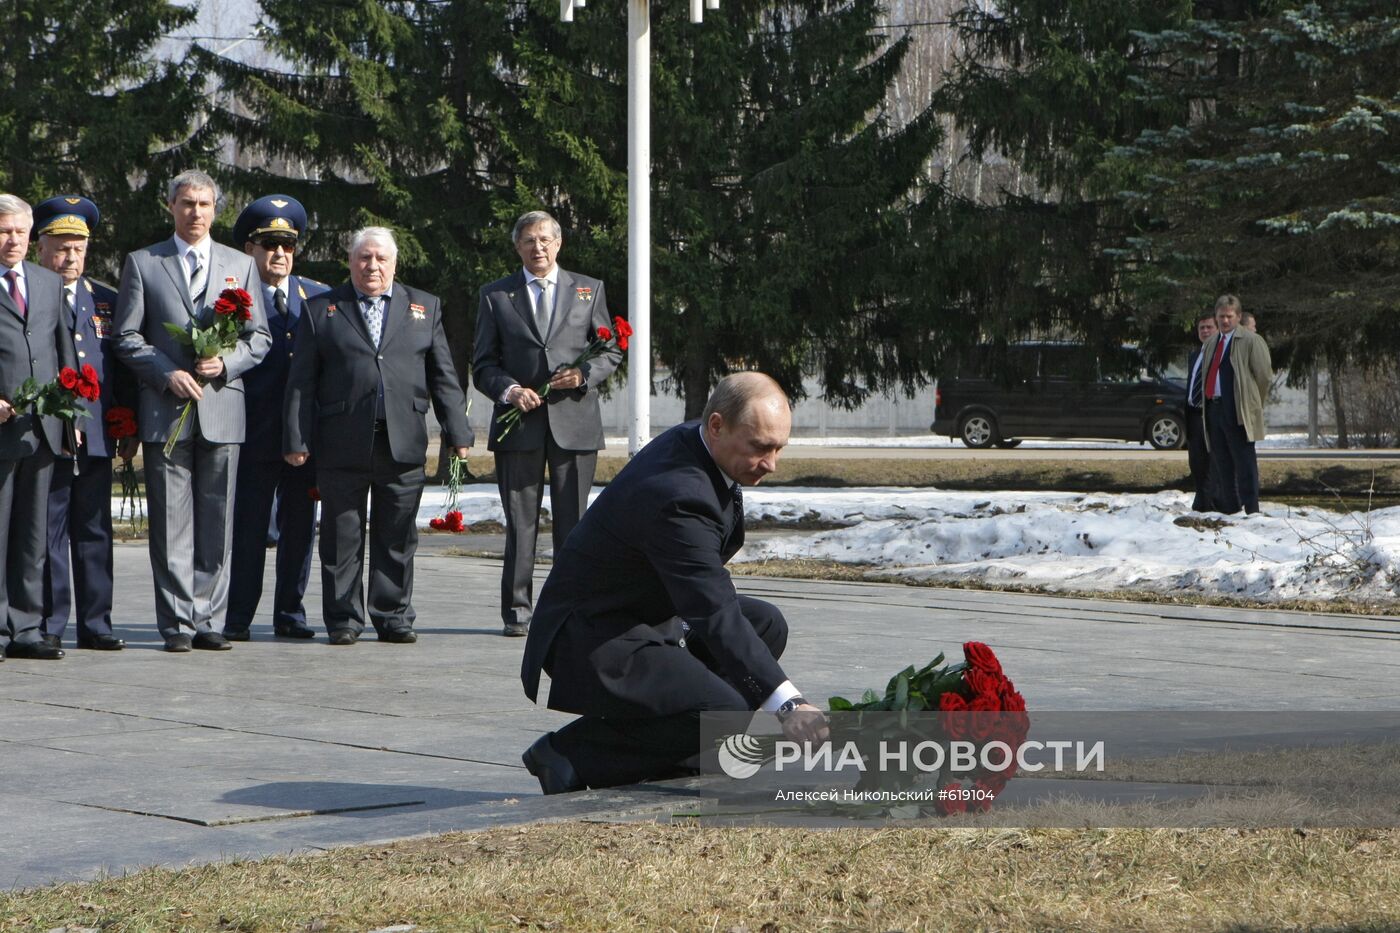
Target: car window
{"points": [[1067, 362]]}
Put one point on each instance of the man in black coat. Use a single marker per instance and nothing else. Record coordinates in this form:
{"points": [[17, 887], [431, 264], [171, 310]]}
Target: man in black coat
{"points": [[33, 343], [371, 356], [639, 625], [1197, 450]]}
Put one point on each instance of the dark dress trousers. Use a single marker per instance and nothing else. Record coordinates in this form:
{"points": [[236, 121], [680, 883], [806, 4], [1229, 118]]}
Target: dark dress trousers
{"points": [[34, 343], [80, 494], [266, 481], [1232, 458], [639, 625], [565, 433], [1197, 453], [360, 410]]}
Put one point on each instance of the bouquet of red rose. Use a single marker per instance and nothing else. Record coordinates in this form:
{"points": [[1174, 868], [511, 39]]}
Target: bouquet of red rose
{"points": [[121, 424], [604, 341], [975, 703], [233, 307], [63, 397]]}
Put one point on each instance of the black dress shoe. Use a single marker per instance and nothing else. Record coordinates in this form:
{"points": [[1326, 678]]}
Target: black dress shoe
{"points": [[33, 651], [53, 641], [177, 643], [399, 636], [210, 641], [101, 642], [292, 631], [343, 637], [554, 772], [237, 634], [515, 629]]}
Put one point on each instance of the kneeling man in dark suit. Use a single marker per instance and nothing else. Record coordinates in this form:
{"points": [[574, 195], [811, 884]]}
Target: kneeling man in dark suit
{"points": [[639, 625]]}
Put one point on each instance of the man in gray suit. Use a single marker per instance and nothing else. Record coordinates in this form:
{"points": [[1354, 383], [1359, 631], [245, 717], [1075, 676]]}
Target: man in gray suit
{"points": [[190, 492], [34, 342], [371, 356], [530, 327]]}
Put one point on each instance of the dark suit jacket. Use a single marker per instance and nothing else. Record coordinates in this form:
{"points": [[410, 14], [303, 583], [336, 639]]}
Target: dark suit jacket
{"points": [[509, 349], [265, 385], [651, 547], [37, 346], [336, 372], [95, 340]]}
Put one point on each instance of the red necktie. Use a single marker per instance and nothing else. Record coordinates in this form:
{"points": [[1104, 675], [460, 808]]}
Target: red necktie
{"points": [[1215, 369], [16, 295]]}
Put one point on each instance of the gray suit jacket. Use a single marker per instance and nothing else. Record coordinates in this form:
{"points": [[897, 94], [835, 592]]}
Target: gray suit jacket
{"points": [[509, 350], [336, 372], [37, 346], [154, 290]]}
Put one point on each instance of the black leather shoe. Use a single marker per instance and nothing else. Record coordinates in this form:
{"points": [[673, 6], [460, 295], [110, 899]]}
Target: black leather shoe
{"points": [[237, 634], [292, 631], [210, 641], [177, 643], [554, 772], [33, 651], [101, 642], [343, 637], [515, 629], [399, 636], [53, 641]]}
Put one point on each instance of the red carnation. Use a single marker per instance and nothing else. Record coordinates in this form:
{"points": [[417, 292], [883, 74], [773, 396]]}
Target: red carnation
{"points": [[121, 422], [980, 656], [604, 334], [224, 306], [453, 521], [622, 342], [437, 524], [622, 327], [68, 378]]}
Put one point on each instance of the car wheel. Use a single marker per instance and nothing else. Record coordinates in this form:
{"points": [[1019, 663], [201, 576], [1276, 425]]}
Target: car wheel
{"points": [[978, 430], [1166, 432], [1009, 442]]}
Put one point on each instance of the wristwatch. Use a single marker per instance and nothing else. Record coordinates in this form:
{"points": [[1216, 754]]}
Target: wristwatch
{"points": [[790, 707]]}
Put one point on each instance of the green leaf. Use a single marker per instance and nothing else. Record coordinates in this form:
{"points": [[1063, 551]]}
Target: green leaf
{"points": [[180, 333], [839, 705]]}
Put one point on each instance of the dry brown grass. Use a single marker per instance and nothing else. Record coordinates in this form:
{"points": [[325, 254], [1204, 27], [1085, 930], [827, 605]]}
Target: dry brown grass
{"points": [[575, 876]]}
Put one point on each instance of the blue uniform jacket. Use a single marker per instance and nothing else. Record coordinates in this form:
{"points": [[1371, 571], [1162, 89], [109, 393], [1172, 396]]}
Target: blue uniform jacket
{"points": [[265, 385], [94, 340]]}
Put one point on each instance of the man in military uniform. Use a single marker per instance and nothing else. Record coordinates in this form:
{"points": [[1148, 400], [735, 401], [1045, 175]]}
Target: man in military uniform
{"points": [[269, 230], [80, 492]]}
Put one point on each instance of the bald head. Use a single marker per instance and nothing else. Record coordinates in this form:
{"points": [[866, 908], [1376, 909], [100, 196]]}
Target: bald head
{"points": [[746, 422]]}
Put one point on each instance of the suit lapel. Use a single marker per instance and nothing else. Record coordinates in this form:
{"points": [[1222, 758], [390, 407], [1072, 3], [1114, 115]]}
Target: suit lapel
{"points": [[524, 304], [6, 301], [214, 284], [395, 311], [349, 308], [565, 296], [176, 269]]}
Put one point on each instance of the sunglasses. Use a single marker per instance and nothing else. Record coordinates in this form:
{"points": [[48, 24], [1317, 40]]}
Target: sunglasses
{"points": [[288, 247]]}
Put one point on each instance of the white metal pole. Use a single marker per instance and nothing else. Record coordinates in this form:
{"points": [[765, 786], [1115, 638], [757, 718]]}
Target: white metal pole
{"points": [[639, 220]]}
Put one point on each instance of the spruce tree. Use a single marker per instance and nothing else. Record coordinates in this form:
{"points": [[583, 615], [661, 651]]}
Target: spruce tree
{"points": [[86, 107]]}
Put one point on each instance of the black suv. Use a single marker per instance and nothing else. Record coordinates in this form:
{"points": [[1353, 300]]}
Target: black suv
{"points": [[999, 394]]}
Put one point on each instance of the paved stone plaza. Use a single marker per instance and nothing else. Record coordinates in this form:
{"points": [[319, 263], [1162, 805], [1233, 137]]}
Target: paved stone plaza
{"points": [[111, 762]]}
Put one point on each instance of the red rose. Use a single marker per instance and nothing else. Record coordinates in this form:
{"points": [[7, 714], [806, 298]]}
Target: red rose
{"points": [[240, 297], [68, 378], [1012, 700], [224, 306], [604, 334], [981, 657], [90, 374], [121, 422], [951, 702], [247, 315], [953, 717], [983, 717], [314, 493], [952, 804], [90, 391], [983, 683]]}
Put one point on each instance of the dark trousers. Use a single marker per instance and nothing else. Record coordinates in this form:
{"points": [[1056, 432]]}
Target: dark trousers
{"points": [[80, 544], [24, 515], [392, 491], [607, 752], [1232, 461], [260, 483], [1198, 456], [520, 480]]}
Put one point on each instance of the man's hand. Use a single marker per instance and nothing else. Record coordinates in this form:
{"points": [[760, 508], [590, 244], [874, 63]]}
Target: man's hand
{"points": [[524, 399], [183, 385], [461, 452], [7, 411], [570, 377], [211, 368], [127, 447], [806, 724], [296, 459]]}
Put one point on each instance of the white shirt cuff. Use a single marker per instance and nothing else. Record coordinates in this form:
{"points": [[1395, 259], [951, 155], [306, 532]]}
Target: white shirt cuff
{"points": [[505, 396], [786, 691]]}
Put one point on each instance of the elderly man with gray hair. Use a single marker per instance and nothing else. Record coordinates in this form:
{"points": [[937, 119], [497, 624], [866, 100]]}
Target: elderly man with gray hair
{"points": [[371, 356], [190, 489]]}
